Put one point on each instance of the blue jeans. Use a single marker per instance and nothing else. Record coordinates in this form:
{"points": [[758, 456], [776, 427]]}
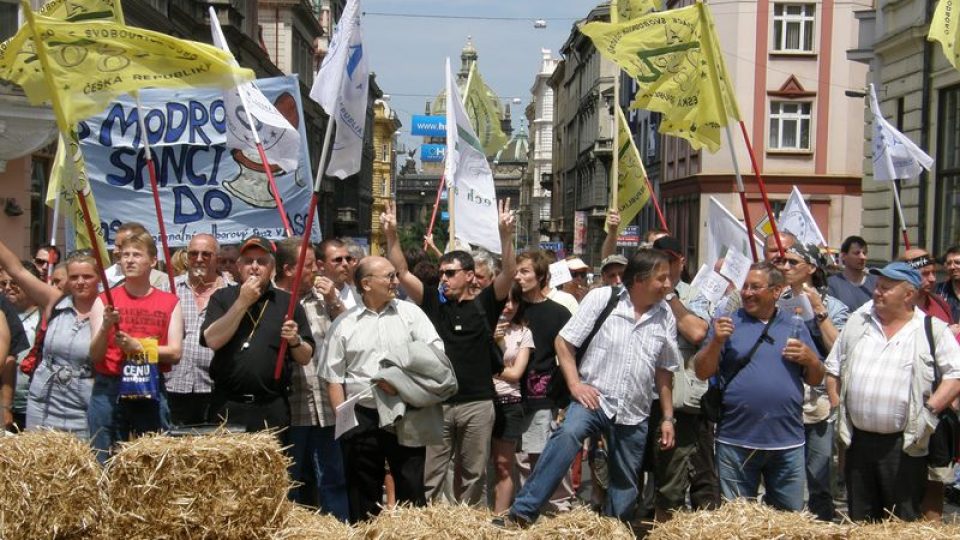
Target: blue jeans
{"points": [[625, 454], [110, 420], [318, 464], [819, 457], [740, 470]]}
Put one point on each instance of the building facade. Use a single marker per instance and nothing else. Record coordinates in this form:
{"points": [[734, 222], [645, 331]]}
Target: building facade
{"points": [[385, 127], [534, 216]]}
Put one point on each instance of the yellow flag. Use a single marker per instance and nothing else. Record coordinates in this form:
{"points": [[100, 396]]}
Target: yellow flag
{"points": [[943, 28], [675, 59], [632, 192], [631, 9], [67, 177], [80, 10], [483, 113], [93, 62]]}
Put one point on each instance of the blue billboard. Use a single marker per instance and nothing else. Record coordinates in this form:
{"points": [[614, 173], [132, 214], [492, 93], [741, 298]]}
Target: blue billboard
{"points": [[429, 126], [432, 153]]}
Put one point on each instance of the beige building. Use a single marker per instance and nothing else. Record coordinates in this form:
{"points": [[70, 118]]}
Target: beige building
{"points": [[534, 217], [385, 126], [919, 93], [788, 64]]}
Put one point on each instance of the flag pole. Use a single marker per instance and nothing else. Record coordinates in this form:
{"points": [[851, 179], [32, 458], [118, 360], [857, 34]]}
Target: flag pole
{"points": [[903, 223], [615, 150], [743, 195], [267, 167], [304, 243], [53, 237], [763, 189], [436, 205], [155, 189], [74, 141]]}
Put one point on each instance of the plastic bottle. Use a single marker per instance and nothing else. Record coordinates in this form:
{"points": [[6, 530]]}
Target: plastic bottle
{"points": [[796, 324]]}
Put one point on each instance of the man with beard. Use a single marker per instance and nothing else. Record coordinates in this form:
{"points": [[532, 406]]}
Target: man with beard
{"points": [[188, 383]]}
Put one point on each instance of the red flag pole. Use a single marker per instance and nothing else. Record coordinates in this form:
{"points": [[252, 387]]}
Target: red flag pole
{"points": [[743, 196], [436, 205], [273, 184], [155, 189], [304, 244], [763, 188], [94, 240], [656, 203]]}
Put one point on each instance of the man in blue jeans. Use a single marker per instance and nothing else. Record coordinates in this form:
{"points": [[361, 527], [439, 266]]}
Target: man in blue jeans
{"points": [[613, 387], [761, 431]]}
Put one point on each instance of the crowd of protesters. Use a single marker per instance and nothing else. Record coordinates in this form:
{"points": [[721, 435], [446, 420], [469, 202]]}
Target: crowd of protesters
{"points": [[472, 379]]}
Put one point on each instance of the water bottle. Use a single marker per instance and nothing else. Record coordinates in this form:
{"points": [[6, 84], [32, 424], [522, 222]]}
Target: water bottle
{"points": [[796, 324], [442, 293], [724, 308]]}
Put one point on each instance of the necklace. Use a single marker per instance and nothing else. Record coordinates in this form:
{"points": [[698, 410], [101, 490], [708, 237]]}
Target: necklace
{"points": [[256, 323]]}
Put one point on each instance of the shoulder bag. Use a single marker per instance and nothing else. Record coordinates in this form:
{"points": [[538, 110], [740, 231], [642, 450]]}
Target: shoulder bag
{"points": [[711, 404]]}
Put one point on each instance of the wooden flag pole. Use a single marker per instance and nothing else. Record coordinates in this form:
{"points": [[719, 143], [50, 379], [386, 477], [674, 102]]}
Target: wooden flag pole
{"points": [[615, 150], [155, 189]]}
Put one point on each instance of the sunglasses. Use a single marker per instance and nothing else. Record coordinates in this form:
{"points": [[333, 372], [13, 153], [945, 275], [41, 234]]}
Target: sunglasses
{"points": [[787, 262], [194, 254], [40, 262], [339, 260], [579, 274], [450, 272]]}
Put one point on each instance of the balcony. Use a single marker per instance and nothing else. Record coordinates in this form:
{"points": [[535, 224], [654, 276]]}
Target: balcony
{"points": [[866, 37]]}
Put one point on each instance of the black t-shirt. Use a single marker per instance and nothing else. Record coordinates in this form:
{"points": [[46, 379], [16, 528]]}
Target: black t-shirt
{"points": [[467, 339], [18, 338], [237, 371], [545, 320]]}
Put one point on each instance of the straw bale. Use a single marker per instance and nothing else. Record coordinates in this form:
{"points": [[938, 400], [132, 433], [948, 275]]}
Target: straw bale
{"points": [[434, 521], [581, 523], [221, 485], [745, 520], [304, 524], [894, 528], [48, 486]]}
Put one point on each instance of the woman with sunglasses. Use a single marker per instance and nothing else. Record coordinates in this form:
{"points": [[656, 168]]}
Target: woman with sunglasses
{"points": [[62, 382], [803, 265]]}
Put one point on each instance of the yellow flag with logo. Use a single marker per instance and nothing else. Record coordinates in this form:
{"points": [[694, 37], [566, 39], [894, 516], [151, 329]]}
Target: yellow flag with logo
{"points": [[483, 113], [675, 58], [631, 9], [943, 28], [91, 63], [632, 192], [68, 179], [81, 10]]}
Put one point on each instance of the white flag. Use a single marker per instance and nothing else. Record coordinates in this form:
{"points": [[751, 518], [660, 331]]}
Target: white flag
{"points": [[341, 89], [280, 139], [468, 174], [725, 230], [796, 218], [894, 154]]}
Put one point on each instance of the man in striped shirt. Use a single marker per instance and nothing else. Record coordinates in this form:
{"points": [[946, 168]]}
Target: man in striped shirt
{"points": [[633, 353]]}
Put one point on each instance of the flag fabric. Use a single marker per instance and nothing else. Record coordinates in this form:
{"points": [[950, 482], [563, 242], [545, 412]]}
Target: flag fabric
{"points": [[341, 88], [631, 9], [632, 192], [796, 218], [483, 112], [93, 62], [67, 177], [675, 58], [943, 28], [468, 178], [281, 141], [724, 230], [895, 156]]}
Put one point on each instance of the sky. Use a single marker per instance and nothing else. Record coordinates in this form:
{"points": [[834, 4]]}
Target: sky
{"points": [[408, 53]]}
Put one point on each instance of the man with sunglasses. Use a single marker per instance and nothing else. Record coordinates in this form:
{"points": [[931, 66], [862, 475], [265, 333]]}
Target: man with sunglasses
{"points": [[188, 382], [465, 323], [336, 264], [45, 259], [244, 325]]}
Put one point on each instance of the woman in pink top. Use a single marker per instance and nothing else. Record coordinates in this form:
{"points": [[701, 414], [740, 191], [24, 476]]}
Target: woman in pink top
{"points": [[514, 337]]}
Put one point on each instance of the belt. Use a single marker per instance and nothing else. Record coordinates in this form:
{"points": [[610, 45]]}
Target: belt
{"points": [[251, 398], [508, 400]]}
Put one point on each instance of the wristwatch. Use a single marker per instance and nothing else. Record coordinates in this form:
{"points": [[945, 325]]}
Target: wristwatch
{"points": [[670, 419], [929, 407], [820, 317], [671, 295]]}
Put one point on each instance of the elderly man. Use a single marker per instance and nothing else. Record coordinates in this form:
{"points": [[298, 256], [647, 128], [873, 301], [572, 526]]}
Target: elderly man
{"points": [[465, 323], [317, 461], [381, 328], [889, 399], [611, 270], [188, 383], [613, 387], [762, 368], [770, 249], [244, 325], [853, 286]]}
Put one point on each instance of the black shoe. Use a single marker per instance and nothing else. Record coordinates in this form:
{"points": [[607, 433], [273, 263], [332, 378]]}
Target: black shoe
{"points": [[510, 521]]}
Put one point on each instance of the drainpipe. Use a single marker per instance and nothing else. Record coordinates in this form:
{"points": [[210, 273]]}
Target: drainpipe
{"points": [[925, 131]]}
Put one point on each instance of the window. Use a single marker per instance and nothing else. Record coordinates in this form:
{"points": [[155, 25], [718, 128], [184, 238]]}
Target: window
{"points": [[8, 19], [948, 166], [789, 125], [793, 27]]}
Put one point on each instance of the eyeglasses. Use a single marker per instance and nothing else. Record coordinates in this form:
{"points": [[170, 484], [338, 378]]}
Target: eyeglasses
{"points": [[194, 254], [40, 262], [450, 272], [6, 283], [755, 288], [262, 261], [579, 274], [338, 260], [787, 262], [389, 277]]}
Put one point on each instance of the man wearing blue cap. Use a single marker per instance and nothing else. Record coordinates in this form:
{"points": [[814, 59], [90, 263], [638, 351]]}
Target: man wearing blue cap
{"points": [[888, 401]]}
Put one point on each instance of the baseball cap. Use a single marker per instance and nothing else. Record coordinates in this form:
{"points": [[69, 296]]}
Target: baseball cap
{"points": [[899, 271], [258, 242], [576, 263], [613, 259], [670, 245]]}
